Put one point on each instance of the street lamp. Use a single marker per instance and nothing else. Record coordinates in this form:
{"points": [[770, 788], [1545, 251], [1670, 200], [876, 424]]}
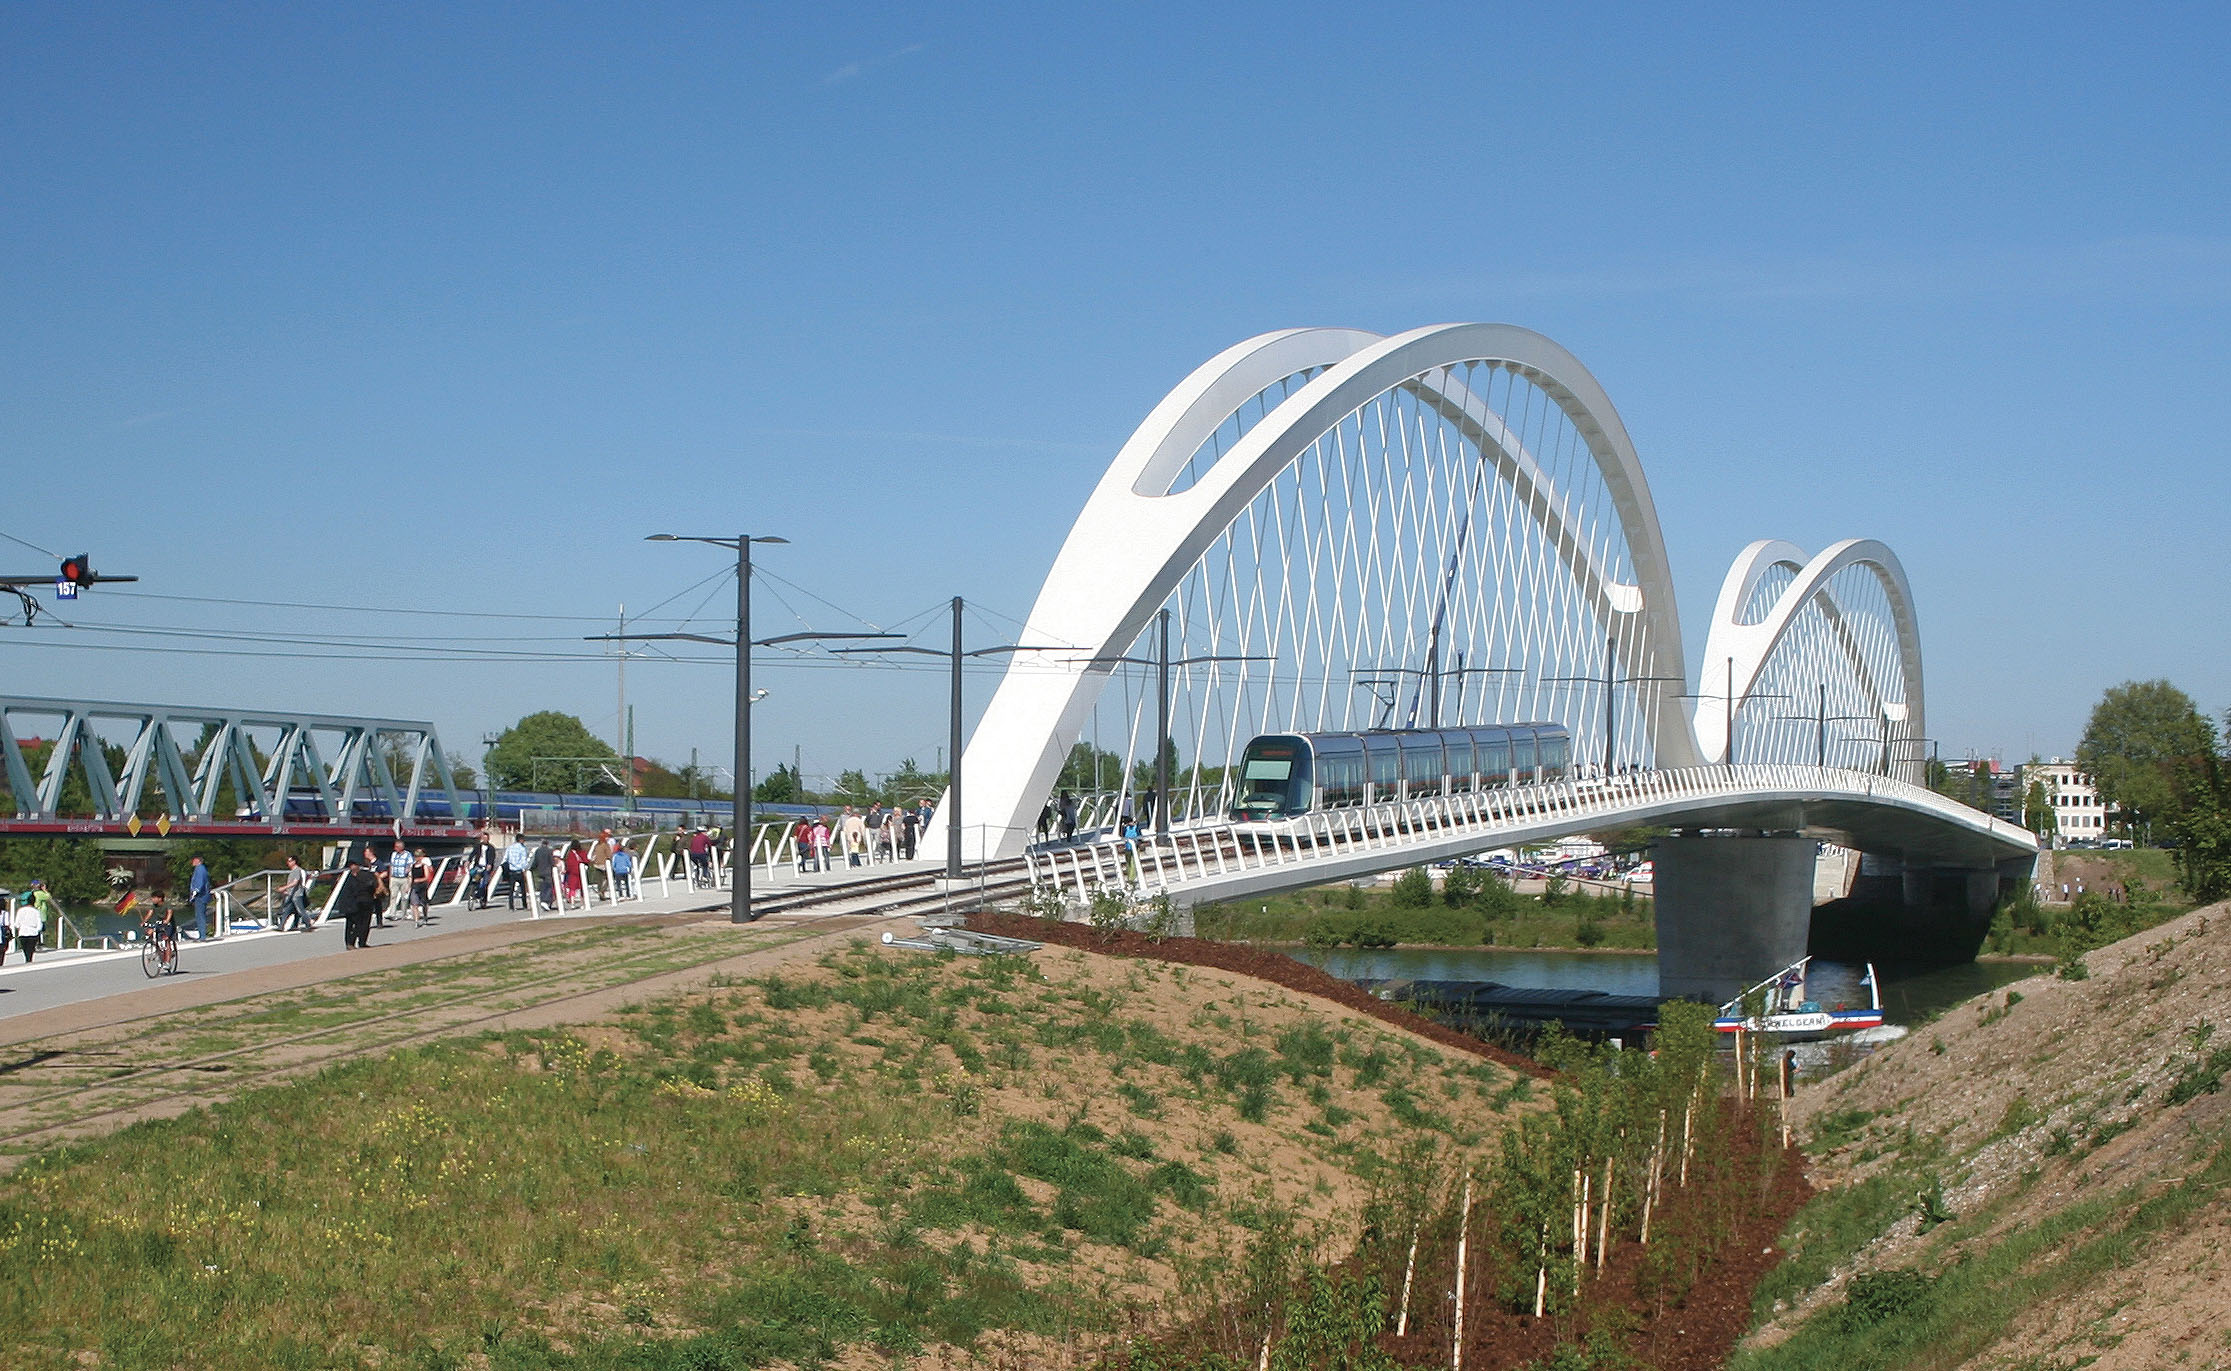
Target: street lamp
{"points": [[957, 655], [1161, 661], [739, 908], [1611, 680]]}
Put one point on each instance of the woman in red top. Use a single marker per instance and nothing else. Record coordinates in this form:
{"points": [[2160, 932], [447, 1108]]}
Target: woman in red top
{"points": [[573, 864]]}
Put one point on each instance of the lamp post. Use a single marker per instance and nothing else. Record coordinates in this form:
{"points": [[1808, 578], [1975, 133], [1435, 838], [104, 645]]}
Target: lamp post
{"points": [[1611, 680], [1161, 661], [739, 907], [956, 654]]}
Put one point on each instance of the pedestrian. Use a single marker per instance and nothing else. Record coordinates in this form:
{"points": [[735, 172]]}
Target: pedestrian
{"points": [[1045, 822], [7, 924], [422, 886], [855, 830], [516, 862], [1068, 816], [358, 900], [31, 915], [600, 864], [910, 829], [480, 870], [821, 836], [544, 864], [801, 839], [575, 865], [623, 872], [399, 869], [198, 890], [294, 899], [887, 836], [922, 815]]}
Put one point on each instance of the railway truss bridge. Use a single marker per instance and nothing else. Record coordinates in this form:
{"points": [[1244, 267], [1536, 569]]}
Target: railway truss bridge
{"points": [[1329, 530]]}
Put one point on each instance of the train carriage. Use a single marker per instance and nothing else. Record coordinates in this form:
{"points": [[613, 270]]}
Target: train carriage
{"points": [[1285, 775]]}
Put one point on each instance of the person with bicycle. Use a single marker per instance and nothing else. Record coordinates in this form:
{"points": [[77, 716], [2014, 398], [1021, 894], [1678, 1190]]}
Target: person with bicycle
{"points": [[160, 926]]}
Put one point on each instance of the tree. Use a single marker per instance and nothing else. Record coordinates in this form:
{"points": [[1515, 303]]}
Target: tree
{"points": [[780, 788], [2037, 811], [511, 762], [2144, 748]]}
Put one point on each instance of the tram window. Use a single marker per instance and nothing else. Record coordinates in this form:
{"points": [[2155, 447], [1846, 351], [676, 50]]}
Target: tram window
{"points": [[1495, 760], [1269, 768], [1522, 753], [1386, 769], [1422, 766], [1460, 762], [1557, 754], [1340, 778]]}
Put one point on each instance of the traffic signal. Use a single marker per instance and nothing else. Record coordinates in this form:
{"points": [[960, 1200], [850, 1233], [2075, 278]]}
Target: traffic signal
{"points": [[77, 570]]}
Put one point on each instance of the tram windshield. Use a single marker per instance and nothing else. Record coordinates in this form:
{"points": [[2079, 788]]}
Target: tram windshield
{"points": [[1274, 778]]}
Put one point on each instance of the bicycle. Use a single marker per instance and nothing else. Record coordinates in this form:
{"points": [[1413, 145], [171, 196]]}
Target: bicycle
{"points": [[158, 956]]}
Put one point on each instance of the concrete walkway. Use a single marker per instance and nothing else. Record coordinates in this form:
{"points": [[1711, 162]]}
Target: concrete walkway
{"points": [[65, 977]]}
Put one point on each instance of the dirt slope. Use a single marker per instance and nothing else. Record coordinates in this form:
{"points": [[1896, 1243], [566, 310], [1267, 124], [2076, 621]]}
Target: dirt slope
{"points": [[2050, 1094]]}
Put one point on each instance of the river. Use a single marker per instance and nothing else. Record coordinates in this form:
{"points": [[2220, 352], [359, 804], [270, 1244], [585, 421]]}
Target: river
{"points": [[1911, 995]]}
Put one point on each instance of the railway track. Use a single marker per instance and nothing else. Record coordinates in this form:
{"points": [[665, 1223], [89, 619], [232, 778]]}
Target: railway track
{"points": [[87, 1082]]}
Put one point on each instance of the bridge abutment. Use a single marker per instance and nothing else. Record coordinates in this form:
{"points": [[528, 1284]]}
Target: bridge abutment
{"points": [[1730, 911]]}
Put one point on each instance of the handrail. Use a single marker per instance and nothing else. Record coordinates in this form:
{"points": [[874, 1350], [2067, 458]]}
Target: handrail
{"points": [[1102, 861]]}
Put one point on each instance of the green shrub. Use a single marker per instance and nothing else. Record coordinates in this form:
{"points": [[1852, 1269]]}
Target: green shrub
{"points": [[1413, 889], [1879, 1296]]}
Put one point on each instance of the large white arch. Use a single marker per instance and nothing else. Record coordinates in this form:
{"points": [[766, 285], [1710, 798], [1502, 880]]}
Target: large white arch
{"points": [[1136, 538], [1747, 647]]}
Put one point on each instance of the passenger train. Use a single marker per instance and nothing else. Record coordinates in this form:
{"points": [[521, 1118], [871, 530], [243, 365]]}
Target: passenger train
{"points": [[1283, 775]]}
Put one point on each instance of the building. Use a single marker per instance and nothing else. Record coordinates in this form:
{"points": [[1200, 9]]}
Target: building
{"points": [[2079, 814]]}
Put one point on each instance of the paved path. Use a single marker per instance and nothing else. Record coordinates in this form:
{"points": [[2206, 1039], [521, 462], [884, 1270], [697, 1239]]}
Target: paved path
{"points": [[31, 996]]}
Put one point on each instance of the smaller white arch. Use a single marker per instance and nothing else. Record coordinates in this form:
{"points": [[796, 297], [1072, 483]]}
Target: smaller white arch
{"points": [[1741, 650]]}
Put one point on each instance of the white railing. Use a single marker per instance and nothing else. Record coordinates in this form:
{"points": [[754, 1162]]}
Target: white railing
{"points": [[1213, 850]]}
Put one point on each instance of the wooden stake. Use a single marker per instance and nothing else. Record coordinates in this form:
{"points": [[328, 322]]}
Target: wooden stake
{"points": [[1603, 1222], [1686, 1111], [1409, 1269], [1262, 1363], [1580, 1228], [1541, 1275], [1463, 1231]]}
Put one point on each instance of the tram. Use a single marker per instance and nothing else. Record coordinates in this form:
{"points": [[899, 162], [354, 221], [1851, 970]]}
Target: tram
{"points": [[1284, 775]]}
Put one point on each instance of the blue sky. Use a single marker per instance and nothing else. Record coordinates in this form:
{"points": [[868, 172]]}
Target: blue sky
{"points": [[445, 308]]}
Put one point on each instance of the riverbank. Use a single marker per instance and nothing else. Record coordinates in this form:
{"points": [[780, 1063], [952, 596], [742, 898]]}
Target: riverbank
{"points": [[2034, 1179]]}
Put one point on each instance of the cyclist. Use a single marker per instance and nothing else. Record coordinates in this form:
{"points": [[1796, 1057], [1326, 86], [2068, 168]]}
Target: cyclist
{"points": [[160, 924]]}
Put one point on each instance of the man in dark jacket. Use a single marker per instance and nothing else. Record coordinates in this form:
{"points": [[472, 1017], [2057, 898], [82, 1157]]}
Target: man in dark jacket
{"points": [[359, 898], [545, 865]]}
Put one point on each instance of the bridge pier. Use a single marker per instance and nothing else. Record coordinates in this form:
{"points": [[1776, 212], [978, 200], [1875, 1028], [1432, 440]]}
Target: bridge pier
{"points": [[1731, 910]]}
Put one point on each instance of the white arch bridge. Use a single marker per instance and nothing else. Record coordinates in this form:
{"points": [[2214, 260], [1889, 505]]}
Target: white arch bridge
{"points": [[1326, 529]]}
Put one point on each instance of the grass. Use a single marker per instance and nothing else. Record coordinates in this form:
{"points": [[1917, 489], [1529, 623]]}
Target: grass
{"points": [[884, 1152], [1944, 1319]]}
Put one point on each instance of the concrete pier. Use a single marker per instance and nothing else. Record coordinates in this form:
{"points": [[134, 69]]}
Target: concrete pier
{"points": [[1731, 911]]}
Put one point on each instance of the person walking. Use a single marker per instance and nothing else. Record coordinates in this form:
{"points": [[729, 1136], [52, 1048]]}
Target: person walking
{"points": [[198, 891], [544, 865], [480, 869], [31, 915], [801, 838], [422, 887], [294, 900], [358, 901], [575, 865], [855, 833], [909, 830], [623, 872], [399, 867], [7, 923], [821, 836], [599, 870], [1068, 816], [516, 861]]}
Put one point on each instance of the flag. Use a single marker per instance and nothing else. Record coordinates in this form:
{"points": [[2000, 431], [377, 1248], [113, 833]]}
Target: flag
{"points": [[124, 906]]}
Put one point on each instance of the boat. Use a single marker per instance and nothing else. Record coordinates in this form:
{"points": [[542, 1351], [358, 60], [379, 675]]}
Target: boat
{"points": [[1788, 1011]]}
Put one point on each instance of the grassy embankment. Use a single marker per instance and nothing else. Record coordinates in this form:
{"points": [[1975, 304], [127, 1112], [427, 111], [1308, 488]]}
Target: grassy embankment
{"points": [[885, 1152], [2035, 1179], [1471, 910]]}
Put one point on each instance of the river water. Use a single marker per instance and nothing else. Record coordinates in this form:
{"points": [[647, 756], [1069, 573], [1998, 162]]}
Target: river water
{"points": [[1910, 994]]}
